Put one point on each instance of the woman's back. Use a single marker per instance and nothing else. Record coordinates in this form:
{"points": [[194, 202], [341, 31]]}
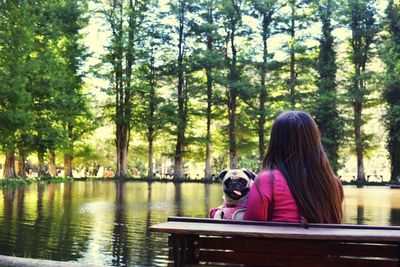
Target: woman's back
{"points": [[295, 149], [260, 197]]}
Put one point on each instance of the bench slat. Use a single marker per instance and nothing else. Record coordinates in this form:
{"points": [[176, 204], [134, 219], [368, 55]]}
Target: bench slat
{"points": [[214, 257], [278, 232], [285, 224], [214, 242], [299, 247]]}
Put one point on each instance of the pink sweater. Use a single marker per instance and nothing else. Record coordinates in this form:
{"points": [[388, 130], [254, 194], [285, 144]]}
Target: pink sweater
{"points": [[285, 209]]}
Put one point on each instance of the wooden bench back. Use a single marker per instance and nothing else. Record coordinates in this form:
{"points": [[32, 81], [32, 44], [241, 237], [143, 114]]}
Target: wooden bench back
{"points": [[212, 242]]}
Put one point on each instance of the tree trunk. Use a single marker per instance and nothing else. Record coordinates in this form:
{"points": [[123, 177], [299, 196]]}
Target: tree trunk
{"points": [[21, 165], [232, 133], [209, 98], [150, 121], [9, 165], [42, 169], [95, 169], [67, 166], [292, 61], [150, 157], [122, 121], [208, 134], [232, 102], [358, 85], [262, 118], [178, 167], [359, 146], [122, 152], [69, 153], [263, 93], [52, 163]]}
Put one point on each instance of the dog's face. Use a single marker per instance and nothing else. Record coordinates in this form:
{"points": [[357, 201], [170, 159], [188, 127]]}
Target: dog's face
{"points": [[236, 183]]}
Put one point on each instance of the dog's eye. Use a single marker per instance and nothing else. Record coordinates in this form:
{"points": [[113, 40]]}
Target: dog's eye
{"points": [[243, 181], [228, 181]]}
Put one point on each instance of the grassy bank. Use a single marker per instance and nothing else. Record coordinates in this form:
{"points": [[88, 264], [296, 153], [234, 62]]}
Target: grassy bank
{"points": [[25, 181], [146, 179], [188, 180]]}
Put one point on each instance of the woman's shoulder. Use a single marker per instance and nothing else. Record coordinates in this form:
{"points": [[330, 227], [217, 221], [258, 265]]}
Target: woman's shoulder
{"points": [[265, 175], [278, 182]]}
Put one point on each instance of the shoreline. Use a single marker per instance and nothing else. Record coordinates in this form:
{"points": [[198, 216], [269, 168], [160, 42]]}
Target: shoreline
{"points": [[11, 261], [8, 182]]}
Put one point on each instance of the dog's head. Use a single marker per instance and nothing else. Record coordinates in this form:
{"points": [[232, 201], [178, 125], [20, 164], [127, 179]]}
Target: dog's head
{"points": [[236, 183]]}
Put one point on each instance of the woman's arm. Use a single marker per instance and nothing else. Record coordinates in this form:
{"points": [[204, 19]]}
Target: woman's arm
{"points": [[257, 203]]}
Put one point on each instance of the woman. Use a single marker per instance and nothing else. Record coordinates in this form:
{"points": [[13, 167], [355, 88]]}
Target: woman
{"points": [[297, 183]]}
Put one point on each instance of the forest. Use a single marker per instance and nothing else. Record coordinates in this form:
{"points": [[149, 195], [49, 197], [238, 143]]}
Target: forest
{"points": [[184, 88]]}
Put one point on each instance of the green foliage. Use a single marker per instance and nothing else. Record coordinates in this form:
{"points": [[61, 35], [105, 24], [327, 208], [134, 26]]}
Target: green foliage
{"points": [[42, 97], [15, 50], [391, 56], [326, 111], [177, 70]]}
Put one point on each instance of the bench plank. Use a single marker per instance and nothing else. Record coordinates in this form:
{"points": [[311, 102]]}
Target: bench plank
{"points": [[298, 261], [286, 224], [198, 242], [312, 233], [299, 247]]}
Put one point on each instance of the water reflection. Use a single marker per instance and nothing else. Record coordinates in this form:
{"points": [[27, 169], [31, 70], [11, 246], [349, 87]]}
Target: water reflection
{"points": [[120, 247], [395, 215], [371, 205], [106, 223]]}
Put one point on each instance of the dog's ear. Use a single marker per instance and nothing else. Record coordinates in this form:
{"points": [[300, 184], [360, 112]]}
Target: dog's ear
{"points": [[222, 175], [249, 174]]}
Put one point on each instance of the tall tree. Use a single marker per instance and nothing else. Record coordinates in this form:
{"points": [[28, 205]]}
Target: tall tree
{"points": [[209, 57], [180, 9], [265, 10], [121, 57], [115, 18], [148, 113], [326, 113], [75, 116], [391, 57], [210, 36], [362, 23], [232, 12], [45, 77], [16, 35], [295, 18]]}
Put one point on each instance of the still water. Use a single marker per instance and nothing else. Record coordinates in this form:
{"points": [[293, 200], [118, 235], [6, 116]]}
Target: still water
{"points": [[106, 223]]}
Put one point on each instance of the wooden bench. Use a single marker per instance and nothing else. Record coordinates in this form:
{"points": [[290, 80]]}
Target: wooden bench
{"points": [[195, 241]]}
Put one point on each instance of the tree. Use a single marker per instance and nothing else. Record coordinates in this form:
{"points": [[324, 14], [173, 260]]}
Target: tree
{"points": [[326, 113], [45, 78], [74, 114], [265, 9], [15, 48], [209, 57], [232, 12], [148, 113], [297, 18], [391, 57], [362, 23], [121, 58], [180, 10]]}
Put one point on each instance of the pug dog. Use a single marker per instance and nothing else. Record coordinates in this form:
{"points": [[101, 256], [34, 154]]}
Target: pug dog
{"points": [[236, 186]]}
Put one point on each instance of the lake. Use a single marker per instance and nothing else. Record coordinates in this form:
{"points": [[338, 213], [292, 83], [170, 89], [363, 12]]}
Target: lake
{"points": [[106, 223]]}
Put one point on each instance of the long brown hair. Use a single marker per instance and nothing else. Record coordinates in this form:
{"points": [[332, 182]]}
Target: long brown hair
{"points": [[295, 149]]}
